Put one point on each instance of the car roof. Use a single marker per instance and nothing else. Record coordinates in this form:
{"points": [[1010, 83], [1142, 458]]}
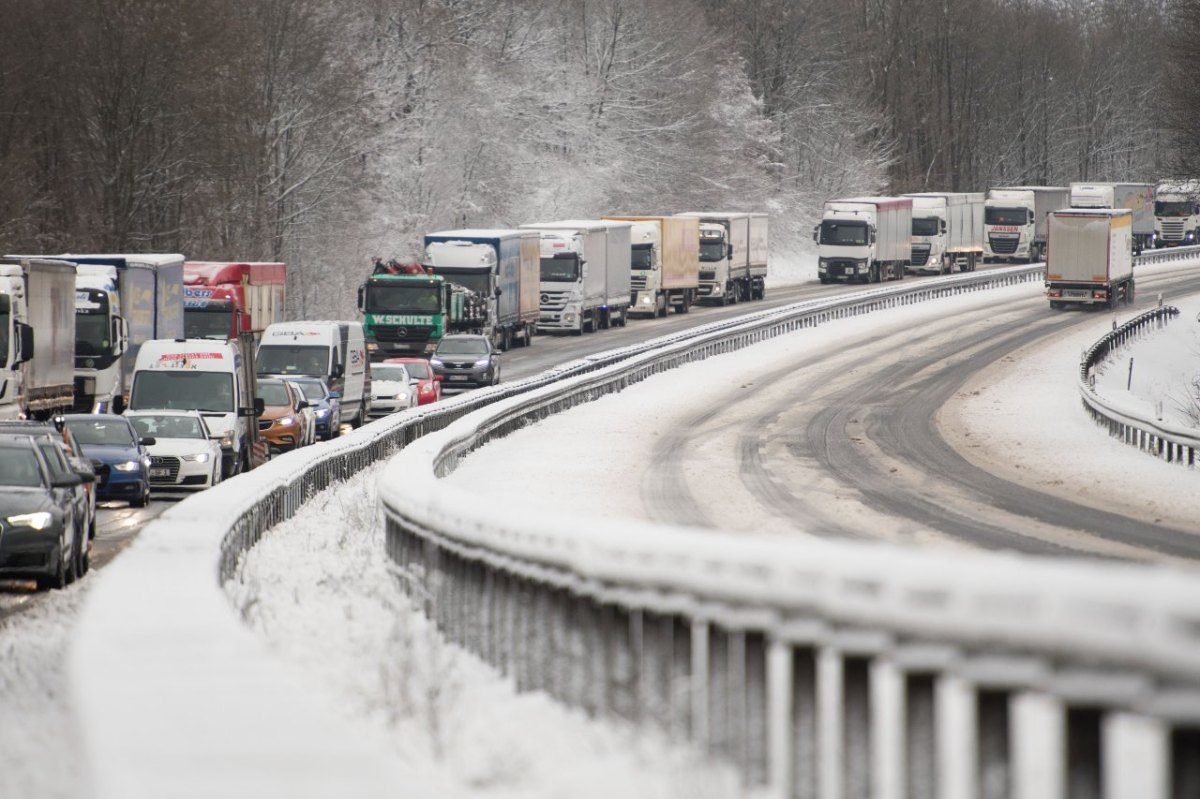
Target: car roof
{"points": [[465, 335], [15, 441], [91, 417], [163, 412]]}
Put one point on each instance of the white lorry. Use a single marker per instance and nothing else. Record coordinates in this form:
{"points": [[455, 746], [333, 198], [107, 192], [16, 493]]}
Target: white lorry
{"points": [[1014, 221], [585, 280], [1137, 197], [733, 256], [864, 239], [212, 377], [334, 351], [1177, 213], [665, 263], [947, 232], [37, 338], [1089, 260]]}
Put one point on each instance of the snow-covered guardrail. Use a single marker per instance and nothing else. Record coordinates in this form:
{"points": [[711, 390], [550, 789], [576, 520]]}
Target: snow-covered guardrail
{"points": [[1172, 442], [174, 695]]}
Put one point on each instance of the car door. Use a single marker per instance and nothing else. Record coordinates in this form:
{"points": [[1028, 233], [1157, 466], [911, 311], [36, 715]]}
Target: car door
{"points": [[60, 469]]}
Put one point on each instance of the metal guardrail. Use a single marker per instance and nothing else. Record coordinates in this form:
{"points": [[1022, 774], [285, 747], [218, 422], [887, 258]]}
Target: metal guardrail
{"points": [[1174, 443]]}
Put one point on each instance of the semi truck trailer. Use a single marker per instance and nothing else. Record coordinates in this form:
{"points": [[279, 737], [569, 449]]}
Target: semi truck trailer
{"points": [[733, 256], [1089, 260]]}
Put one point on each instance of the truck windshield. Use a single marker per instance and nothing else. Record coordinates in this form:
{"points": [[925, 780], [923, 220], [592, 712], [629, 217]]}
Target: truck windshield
{"points": [[287, 359], [712, 250], [5, 326], [182, 390], [212, 323], [844, 233], [1181, 208], [1006, 216], [560, 270], [925, 226], [395, 297], [640, 257]]}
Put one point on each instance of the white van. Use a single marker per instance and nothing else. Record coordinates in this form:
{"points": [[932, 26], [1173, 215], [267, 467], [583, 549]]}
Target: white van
{"points": [[332, 351], [201, 375]]}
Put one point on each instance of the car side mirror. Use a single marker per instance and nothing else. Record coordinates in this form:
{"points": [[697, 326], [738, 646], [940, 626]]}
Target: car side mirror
{"points": [[362, 292], [68, 481], [147, 441], [301, 405]]}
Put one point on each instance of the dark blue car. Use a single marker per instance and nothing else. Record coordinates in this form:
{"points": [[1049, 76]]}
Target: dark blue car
{"points": [[327, 404], [113, 441]]}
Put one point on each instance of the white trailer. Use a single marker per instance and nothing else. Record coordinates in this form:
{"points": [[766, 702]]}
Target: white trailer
{"points": [[37, 338], [864, 239], [1177, 213], [947, 232], [585, 280], [733, 255], [1089, 260], [1014, 221], [1137, 197]]}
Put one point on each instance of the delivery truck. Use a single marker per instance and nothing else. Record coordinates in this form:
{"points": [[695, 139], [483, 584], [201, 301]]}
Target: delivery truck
{"points": [[37, 337], [1089, 258], [1137, 197], [947, 232], [1014, 221], [664, 263], [733, 256], [585, 280], [502, 267], [864, 239], [224, 299]]}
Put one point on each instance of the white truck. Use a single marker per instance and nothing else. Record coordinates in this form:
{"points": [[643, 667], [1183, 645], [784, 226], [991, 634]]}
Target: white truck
{"points": [[1089, 259], [947, 232], [213, 377], [585, 280], [37, 338], [733, 255], [1137, 197], [1014, 221], [334, 351], [864, 239], [665, 263], [1177, 213]]}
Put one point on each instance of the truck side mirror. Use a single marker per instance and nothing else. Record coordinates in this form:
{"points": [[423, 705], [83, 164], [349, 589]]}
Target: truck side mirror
{"points": [[498, 292], [1032, 217], [943, 225], [120, 335], [816, 230], [25, 338], [362, 292]]}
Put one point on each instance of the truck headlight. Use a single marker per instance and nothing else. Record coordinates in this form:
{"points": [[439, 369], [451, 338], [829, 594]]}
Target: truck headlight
{"points": [[227, 440], [39, 520]]}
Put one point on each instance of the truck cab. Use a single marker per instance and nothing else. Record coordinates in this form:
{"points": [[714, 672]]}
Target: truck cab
{"points": [[1009, 225], [1177, 214], [645, 270], [716, 252], [222, 300], [864, 239], [16, 339], [929, 252]]}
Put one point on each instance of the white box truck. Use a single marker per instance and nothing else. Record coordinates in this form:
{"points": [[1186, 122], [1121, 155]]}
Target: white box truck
{"points": [[1177, 213], [37, 338], [585, 280], [665, 263], [733, 255], [1137, 197], [864, 239], [1014, 221], [947, 232], [1089, 258]]}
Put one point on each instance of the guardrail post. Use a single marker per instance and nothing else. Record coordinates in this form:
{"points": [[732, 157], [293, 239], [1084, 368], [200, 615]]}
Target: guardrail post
{"points": [[780, 709], [1039, 741], [887, 730], [829, 724], [1136, 757], [956, 733]]}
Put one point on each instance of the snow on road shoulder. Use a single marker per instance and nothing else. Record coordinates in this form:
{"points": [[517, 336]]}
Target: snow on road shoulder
{"points": [[322, 591]]}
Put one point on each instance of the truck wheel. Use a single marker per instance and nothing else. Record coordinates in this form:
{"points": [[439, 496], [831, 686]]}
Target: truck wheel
{"points": [[661, 309]]}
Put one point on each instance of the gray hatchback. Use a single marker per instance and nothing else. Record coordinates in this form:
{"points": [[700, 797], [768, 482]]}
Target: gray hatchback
{"points": [[465, 361]]}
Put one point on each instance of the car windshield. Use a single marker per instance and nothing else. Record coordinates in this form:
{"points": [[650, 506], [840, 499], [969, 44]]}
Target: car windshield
{"points": [[417, 369], [313, 390], [462, 346], [101, 431], [167, 426], [288, 359], [182, 390], [274, 394], [19, 467], [392, 371]]}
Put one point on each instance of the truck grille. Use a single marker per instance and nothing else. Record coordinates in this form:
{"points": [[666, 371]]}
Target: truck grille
{"points": [[920, 254], [637, 283], [708, 275], [397, 333], [1003, 246], [1172, 229], [554, 301], [167, 462]]}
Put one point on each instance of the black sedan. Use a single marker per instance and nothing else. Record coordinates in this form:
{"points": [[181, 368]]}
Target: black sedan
{"points": [[39, 532]]}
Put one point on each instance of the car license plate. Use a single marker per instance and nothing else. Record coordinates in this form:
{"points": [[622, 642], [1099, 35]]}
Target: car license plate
{"points": [[160, 472], [456, 377]]}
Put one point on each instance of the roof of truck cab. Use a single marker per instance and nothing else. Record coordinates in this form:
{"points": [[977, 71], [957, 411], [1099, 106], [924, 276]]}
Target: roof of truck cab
{"points": [[575, 224], [476, 233], [878, 202], [220, 272]]}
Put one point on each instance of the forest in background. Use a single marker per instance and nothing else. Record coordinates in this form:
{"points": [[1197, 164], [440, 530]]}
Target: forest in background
{"points": [[321, 132]]}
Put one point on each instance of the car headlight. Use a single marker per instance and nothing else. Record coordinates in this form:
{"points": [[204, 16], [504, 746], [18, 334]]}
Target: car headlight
{"points": [[128, 466], [402, 396], [482, 363], [322, 413], [199, 457], [38, 521], [436, 363], [426, 388], [286, 421]]}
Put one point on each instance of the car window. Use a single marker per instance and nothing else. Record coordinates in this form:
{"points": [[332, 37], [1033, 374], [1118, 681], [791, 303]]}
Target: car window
{"points": [[55, 459], [312, 390], [390, 371], [101, 431], [418, 369], [19, 468]]}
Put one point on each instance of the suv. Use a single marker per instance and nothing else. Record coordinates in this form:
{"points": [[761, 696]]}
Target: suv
{"points": [[466, 360]]}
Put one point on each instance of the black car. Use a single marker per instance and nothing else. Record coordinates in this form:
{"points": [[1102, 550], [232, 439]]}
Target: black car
{"points": [[50, 438], [40, 536], [466, 360]]}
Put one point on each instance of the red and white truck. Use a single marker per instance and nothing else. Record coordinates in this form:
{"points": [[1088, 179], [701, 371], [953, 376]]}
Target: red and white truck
{"points": [[1089, 257], [221, 300]]}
